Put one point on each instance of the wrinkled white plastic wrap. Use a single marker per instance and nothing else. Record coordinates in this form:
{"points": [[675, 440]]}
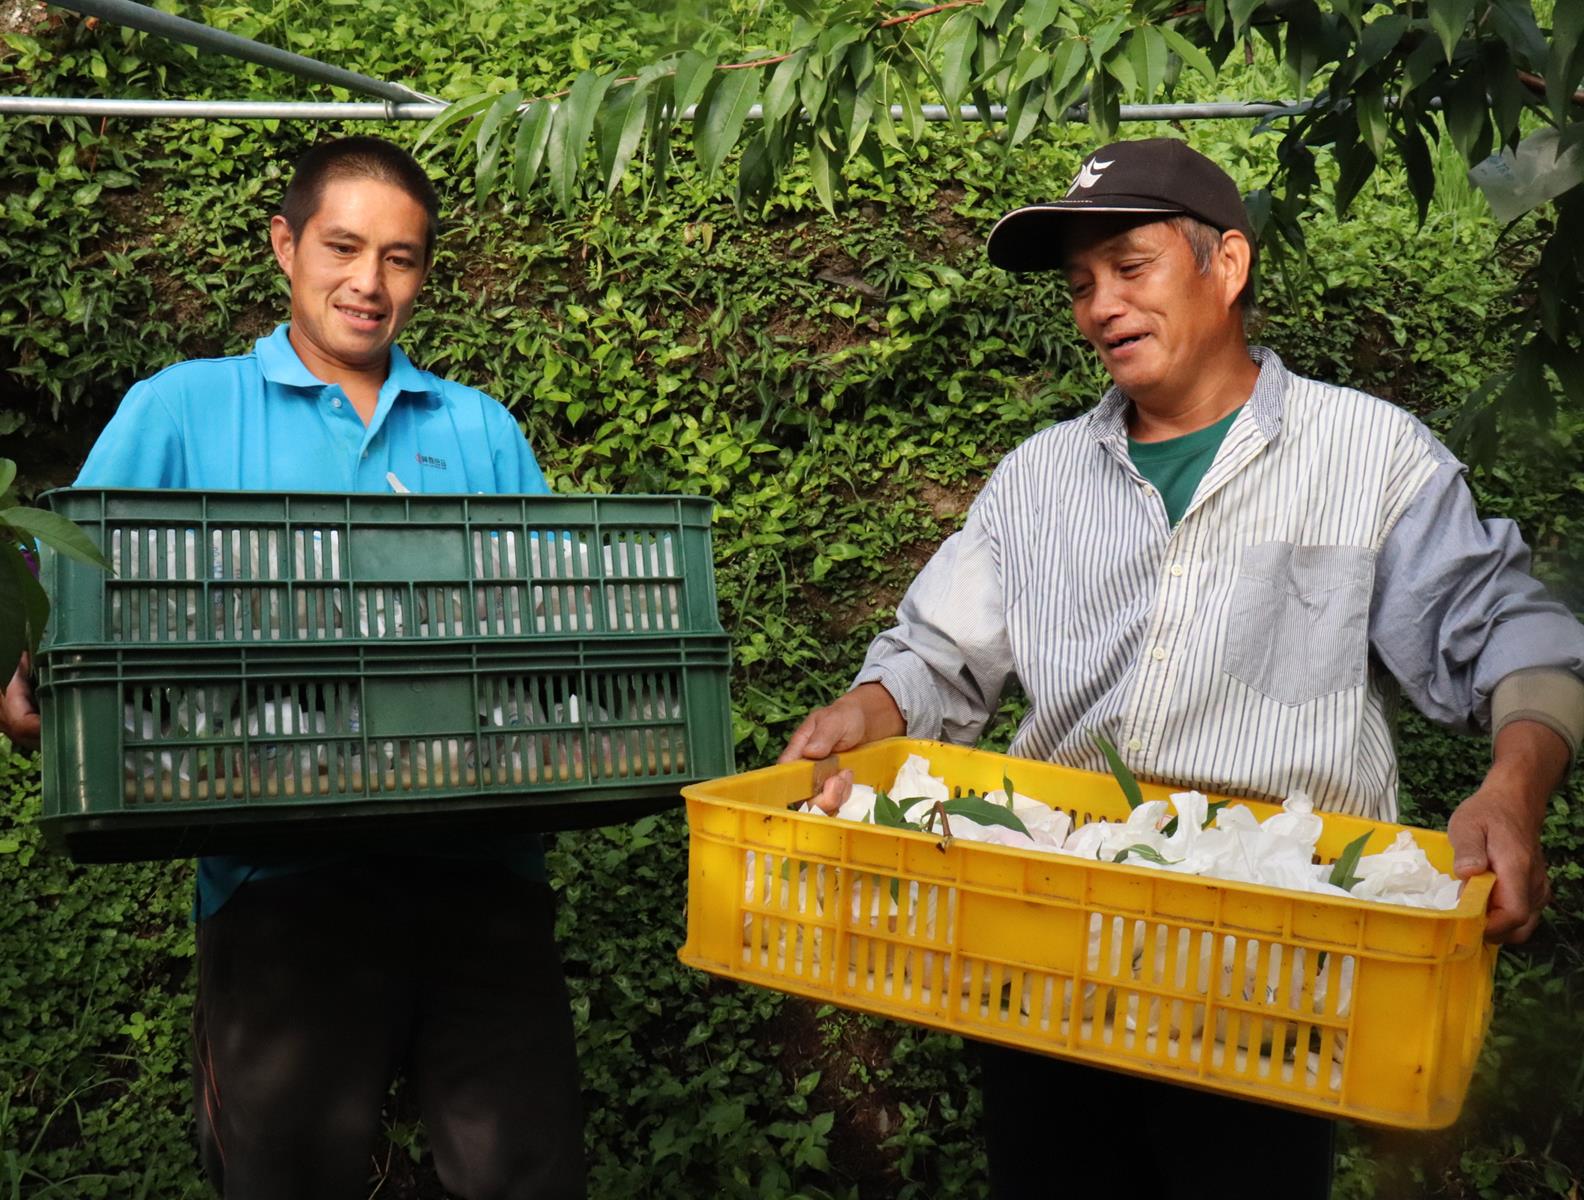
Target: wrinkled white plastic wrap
{"points": [[1277, 852]]}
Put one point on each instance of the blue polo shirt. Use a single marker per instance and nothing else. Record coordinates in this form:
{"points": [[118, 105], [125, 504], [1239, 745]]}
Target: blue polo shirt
{"points": [[262, 421]]}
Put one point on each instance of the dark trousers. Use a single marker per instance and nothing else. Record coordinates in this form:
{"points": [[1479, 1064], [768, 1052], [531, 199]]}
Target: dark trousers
{"points": [[315, 989], [1059, 1129]]}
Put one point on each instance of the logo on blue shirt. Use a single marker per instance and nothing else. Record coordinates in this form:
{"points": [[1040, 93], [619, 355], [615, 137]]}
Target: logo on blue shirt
{"points": [[428, 460]]}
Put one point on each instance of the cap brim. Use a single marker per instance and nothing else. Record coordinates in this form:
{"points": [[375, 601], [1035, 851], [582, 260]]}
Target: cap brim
{"points": [[1029, 239]]}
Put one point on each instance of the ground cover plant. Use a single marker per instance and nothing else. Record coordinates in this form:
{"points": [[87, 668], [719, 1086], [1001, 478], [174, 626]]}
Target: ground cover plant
{"points": [[840, 385]]}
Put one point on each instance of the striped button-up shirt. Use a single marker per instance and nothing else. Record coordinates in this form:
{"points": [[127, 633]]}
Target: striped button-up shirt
{"points": [[1330, 555]]}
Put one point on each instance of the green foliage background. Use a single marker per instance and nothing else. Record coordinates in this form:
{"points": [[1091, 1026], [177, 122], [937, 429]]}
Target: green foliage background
{"points": [[841, 387]]}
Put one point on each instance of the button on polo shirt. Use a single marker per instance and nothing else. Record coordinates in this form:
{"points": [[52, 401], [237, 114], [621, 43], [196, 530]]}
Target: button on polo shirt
{"points": [[263, 422]]}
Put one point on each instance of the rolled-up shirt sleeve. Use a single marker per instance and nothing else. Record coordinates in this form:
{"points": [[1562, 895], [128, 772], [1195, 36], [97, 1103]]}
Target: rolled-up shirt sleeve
{"points": [[947, 660], [1455, 610]]}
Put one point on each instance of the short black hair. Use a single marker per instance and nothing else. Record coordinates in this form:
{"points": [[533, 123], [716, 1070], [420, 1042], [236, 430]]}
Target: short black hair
{"points": [[360, 157]]}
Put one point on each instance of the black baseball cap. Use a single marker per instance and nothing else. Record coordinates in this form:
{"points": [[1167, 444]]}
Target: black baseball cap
{"points": [[1148, 175]]}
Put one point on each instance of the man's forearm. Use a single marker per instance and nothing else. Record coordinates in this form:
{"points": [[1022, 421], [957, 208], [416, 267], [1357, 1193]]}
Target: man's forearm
{"points": [[1528, 760]]}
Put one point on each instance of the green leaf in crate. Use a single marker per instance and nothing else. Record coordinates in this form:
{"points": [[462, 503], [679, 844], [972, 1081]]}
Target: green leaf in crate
{"points": [[1006, 786], [1124, 777], [1342, 871], [980, 810], [1210, 815], [1147, 853], [889, 813]]}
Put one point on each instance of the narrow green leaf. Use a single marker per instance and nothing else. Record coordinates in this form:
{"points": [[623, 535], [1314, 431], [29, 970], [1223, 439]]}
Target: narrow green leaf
{"points": [[488, 141], [573, 127], [823, 173], [622, 123], [1240, 11], [721, 114], [912, 108], [1380, 39], [1031, 62], [24, 611], [1357, 162], [1104, 104], [533, 134], [837, 38], [1121, 68], [1210, 815], [859, 119], [1188, 53], [461, 110], [1372, 121], [693, 74], [1467, 112], [1036, 16], [1509, 99], [755, 174], [812, 88], [885, 125], [56, 532], [7, 475], [1420, 64], [1119, 769], [781, 93], [1067, 64], [1342, 871], [1565, 66], [861, 61], [958, 42], [1420, 168], [1006, 786], [980, 810], [657, 148], [1147, 853], [1449, 19], [1024, 112], [1303, 42], [1101, 41], [1514, 22], [1216, 16], [1147, 50], [889, 813]]}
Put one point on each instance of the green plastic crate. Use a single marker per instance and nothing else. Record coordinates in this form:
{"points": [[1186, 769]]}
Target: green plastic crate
{"points": [[248, 567], [348, 666]]}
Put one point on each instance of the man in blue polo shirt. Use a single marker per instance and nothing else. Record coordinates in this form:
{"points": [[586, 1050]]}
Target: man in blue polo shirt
{"points": [[320, 978]]}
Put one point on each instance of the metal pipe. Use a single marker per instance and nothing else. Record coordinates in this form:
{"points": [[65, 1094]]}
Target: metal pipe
{"points": [[234, 110], [195, 33], [423, 110]]}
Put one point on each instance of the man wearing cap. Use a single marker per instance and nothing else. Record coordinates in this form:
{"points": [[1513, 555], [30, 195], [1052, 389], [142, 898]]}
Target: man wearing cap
{"points": [[1229, 571]]}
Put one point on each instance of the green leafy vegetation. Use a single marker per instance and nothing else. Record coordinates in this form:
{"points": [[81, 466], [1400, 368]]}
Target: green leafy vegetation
{"points": [[840, 386], [24, 607], [1377, 87]]}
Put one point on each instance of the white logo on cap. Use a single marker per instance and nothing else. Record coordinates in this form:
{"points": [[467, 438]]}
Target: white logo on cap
{"points": [[1089, 175]]}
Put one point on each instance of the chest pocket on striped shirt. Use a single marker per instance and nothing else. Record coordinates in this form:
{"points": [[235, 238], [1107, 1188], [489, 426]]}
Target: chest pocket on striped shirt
{"points": [[1299, 626]]}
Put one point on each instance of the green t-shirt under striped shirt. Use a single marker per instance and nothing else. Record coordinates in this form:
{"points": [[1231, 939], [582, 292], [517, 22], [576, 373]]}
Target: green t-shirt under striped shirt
{"points": [[1176, 465]]}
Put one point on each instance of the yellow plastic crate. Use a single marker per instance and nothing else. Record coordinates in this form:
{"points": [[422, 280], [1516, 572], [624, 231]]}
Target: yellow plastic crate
{"points": [[1347, 1008]]}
